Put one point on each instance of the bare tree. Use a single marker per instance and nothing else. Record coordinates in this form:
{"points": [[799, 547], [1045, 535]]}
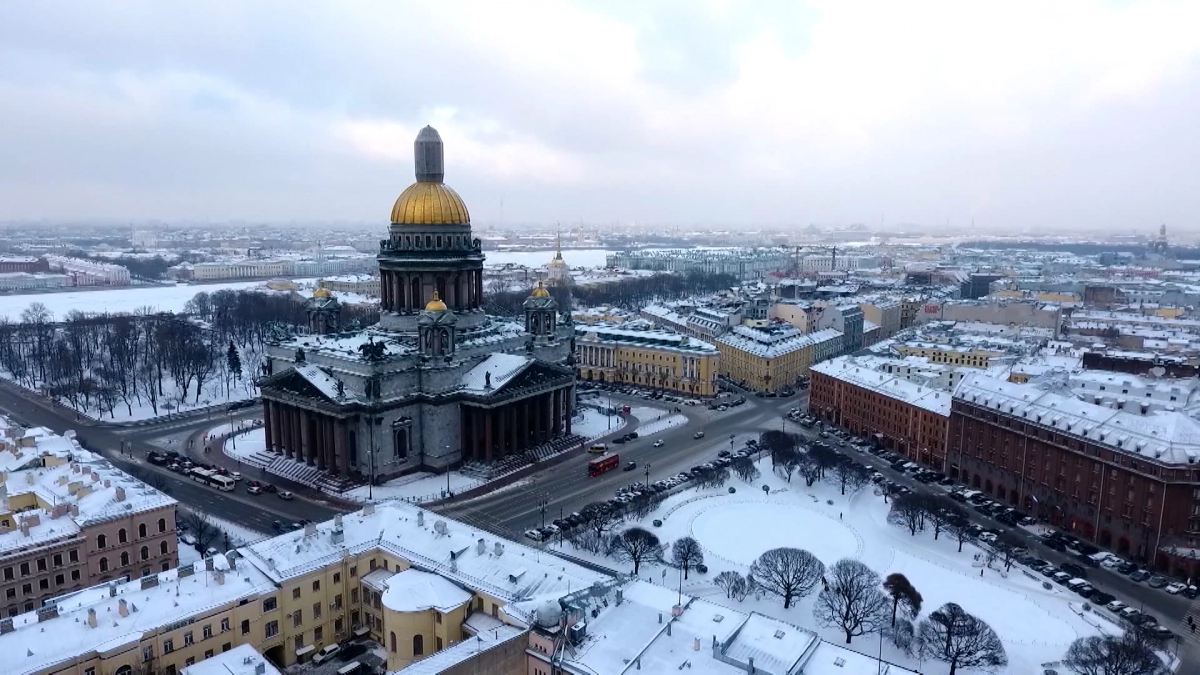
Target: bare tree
{"points": [[593, 533], [636, 545], [202, 527], [909, 511], [809, 468], [744, 468], [1112, 655], [1007, 547], [901, 591], [903, 634], [825, 457], [777, 444], [963, 532], [851, 600], [942, 513], [686, 553], [787, 572], [712, 478], [728, 581], [960, 639], [849, 474], [785, 463]]}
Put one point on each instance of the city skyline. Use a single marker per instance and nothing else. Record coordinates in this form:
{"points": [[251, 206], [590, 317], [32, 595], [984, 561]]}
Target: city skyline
{"points": [[776, 115]]}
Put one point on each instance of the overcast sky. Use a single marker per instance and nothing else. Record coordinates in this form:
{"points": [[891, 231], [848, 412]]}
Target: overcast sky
{"points": [[1015, 114]]}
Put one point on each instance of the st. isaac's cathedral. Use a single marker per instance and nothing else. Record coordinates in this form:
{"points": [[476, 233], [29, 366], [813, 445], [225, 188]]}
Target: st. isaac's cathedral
{"points": [[437, 382]]}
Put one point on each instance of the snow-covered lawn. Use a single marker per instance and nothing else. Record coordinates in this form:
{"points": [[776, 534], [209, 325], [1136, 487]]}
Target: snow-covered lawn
{"points": [[659, 425], [1035, 624], [417, 487], [249, 443], [595, 424]]}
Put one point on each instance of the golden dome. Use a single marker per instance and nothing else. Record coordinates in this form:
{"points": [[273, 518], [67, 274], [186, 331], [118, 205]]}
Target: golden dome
{"points": [[540, 291], [322, 293], [430, 203], [436, 304]]}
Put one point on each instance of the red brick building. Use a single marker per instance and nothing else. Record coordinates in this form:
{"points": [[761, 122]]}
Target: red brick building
{"points": [[1125, 480], [897, 414], [23, 263]]}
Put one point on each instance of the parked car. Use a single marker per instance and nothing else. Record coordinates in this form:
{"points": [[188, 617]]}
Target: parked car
{"points": [[1116, 606], [534, 535], [325, 653], [1127, 568], [1157, 581], [1175, 588], [1139, 575], [254, 490], [1100, 598], [284, 494]]}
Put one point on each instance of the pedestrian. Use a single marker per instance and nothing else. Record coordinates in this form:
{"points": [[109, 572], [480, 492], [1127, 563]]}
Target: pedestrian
{"points": [[1193, 629], [839, 515], [980, 571]]}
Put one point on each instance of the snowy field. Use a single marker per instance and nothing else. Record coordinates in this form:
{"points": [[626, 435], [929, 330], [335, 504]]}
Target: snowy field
{"points": [[249, 443], [595, 424], [117, 300], [662, 424], [1035, 624]]}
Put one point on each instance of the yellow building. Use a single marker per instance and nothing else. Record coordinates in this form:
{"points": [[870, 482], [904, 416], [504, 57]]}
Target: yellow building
{"points": [[647, 358], [950, 354], [775, 357]]}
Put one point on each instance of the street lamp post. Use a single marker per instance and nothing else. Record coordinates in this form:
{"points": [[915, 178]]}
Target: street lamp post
{"points": [[232, 436], [647, 474]]}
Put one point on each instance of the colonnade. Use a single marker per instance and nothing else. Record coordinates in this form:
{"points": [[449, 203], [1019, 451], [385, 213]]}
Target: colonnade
{"points": [[405, 293], [491, 433]]}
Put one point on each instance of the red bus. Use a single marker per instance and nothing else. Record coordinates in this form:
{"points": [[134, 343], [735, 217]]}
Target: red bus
{"points": [[603, 465]]}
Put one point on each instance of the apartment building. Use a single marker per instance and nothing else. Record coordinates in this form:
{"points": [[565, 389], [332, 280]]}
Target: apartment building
{"points": [[949, 354], [1123, 477], [70, 520], [648, 358], [895, 413], [766, 359]]}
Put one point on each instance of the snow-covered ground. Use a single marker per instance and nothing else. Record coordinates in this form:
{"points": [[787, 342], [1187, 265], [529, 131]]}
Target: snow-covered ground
{"points": [[662, 424], [251, 442], [416, 487], [188, 554], [239, 535], [1035, 624], [596, 424], [118, 300]]}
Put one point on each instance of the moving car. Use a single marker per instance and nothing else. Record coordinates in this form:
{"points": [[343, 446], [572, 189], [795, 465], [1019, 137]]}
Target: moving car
{"points": [[284, 494], [534, 535], [659, 443], [254, 490], [630, 466], [698, 434]]}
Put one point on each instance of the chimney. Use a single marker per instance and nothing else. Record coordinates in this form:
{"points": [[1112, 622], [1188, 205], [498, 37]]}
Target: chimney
{"points": [[232, 558], [480, 547], [668, 626], [696, 643], [24, 528], [660, 617], [453, 564], [74, 511], [750, 660], [420, 519], [92, 618], [74, 468], [219, 577], [107, 482], [62, 480], [122, 607], [310, 529], [120, 493]]}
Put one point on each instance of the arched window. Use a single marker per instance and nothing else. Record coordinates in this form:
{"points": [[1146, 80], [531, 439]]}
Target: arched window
{"points": [[401, 443], [418, 645], [124, 558], [104, 564], [162, 524], [393, 642], [145, 553], [122, 536], [124, 670], [101, 541], [142, 530], [163, 548]]}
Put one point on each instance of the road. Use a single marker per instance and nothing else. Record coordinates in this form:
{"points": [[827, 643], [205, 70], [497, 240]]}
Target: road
{"points": [[237, 506]]}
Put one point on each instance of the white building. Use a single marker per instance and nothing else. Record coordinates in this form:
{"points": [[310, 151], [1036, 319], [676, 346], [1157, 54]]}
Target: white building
{"points": [[89, 272]]}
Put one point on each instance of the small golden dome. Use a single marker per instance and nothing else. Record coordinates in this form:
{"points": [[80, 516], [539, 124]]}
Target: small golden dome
{"points": [[540, 291], [322, 293], [430, 203], [436, 304]]}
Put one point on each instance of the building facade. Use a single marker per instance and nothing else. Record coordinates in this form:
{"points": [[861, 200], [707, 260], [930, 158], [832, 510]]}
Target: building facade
{"points": [[437, 382], [1125, 480], [655, 359], [766, 359]]}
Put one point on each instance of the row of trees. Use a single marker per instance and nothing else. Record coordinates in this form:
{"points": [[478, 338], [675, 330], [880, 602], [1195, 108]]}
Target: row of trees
{"points": [[100, 363], [817, 462], [630, 293]]}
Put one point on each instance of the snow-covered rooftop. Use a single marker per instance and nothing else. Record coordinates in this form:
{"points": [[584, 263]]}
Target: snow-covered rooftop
{"points": [[416, 591], [850, 370], [502, 368], [468, 556], [241, 660], [123, 612], [648, 338], [776, 342]]}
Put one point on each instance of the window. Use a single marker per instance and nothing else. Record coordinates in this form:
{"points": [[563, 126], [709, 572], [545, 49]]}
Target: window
{"points": [[272, 628], [101, 541], [227, 646], [418, 645], [163, 549], [122, 536], [337, 601], [124, 558], [44, 584], [146, 552], [246, 626], [318, 634], [353, 571], [392, 642], [162, 524], [208, 653], [316, 585], [166, 565], [142, 530], [353, 595], [74, 575], [168, 646], [297, 618], [73, 556], [337, 577], [316, 610], [187, 639], [41, 564], [206, 632], [147, 652], [225, 625], [337, 625], [8, 574], [26, 589], [10, 593], [58, 560], [437, 617], [299, 641], [438, 643], [24, 569], [189, 661], [269, 605], [296, 593], [89, 671]]}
